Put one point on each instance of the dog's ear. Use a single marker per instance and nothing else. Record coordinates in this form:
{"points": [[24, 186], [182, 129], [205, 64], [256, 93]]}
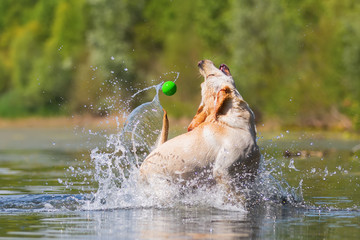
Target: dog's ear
{"points": [[225, 69], [198, 118], [222, 96]]}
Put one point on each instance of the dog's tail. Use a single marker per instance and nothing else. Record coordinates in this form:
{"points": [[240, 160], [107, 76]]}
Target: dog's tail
{"points": [[165, 130]]}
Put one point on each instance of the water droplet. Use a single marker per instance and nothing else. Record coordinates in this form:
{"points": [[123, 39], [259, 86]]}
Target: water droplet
{"points": [[292, 165], [112, 58], [326, 171]]}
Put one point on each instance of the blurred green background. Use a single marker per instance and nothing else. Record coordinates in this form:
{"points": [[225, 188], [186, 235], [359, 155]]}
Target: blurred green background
{"points": [[296, 62]]}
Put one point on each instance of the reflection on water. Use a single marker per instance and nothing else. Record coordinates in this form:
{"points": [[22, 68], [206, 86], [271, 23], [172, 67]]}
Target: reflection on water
{"points": [[262, 222], [41, 195]]}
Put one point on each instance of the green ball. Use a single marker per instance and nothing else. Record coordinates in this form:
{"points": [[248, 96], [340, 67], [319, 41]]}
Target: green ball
{"points": [[169, 88]]}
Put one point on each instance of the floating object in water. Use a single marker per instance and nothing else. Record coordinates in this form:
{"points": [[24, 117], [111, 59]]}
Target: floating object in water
{"points": [[169, 88], [305, 153]]}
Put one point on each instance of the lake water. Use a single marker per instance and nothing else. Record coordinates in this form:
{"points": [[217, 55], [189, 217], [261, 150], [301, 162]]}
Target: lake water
{"points": [[48, 190]]}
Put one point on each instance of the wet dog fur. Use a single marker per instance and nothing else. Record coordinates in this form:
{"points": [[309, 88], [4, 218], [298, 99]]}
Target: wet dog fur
{"points": [[220, 145]]}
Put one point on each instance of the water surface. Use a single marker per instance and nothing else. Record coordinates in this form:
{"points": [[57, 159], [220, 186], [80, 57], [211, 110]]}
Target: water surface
{"points": [[46, 191]]}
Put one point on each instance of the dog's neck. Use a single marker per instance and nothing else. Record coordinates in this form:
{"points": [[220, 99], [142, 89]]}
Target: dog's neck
{"points": [[238, 114]]}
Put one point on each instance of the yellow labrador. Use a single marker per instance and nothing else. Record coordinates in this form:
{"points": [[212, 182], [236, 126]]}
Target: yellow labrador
{"points": [[220, 145]]}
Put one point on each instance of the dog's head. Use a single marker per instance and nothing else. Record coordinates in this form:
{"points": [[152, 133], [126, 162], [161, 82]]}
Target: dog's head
{"points": [[215, 79], [218, 75], [208, 69], [219, 94]]}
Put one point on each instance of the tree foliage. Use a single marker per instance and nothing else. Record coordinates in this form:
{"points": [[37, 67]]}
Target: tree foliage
{"points": [[294, 61]]}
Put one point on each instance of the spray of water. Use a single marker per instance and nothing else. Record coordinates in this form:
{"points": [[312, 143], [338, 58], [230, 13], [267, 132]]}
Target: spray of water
{"points": [[115, 169]]}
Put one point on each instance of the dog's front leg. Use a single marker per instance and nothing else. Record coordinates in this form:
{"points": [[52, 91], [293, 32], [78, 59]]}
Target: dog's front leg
{"points": [[221, 172], [224, 180]]}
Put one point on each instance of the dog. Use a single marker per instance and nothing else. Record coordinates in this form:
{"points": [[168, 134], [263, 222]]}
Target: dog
{"points": [[220, 145]]}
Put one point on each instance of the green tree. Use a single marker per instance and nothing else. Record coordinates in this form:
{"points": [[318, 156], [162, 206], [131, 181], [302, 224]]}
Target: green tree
{"points": [[260, 64], [286, 54], [54, 73], [350, 12], [294, 61]]}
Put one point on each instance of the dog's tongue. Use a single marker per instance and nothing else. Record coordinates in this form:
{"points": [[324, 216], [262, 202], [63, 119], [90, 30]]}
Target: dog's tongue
{"points": [[225, 69]]}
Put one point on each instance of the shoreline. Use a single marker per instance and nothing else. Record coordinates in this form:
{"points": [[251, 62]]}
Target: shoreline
{"points": [[60, 122], [115, 122]]}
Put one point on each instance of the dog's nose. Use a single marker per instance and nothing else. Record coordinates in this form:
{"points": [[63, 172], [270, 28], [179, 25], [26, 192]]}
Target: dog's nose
{"points": [[201, 63]]}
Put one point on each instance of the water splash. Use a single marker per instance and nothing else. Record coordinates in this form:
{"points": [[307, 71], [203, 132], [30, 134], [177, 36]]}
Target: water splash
{"points": [[41, 202], [124, 153], [115, 170], [270, 185]]}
